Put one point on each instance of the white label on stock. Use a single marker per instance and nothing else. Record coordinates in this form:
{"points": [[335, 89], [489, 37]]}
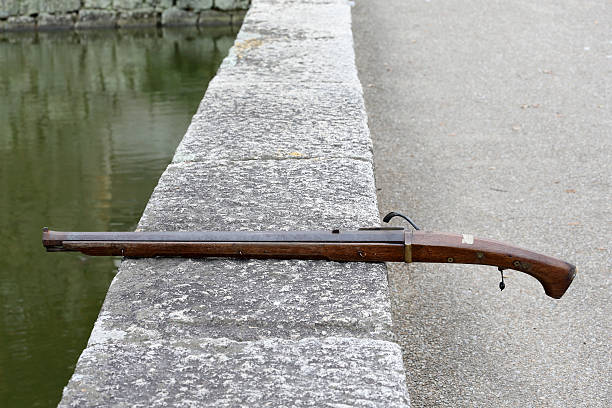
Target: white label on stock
{"points": [[467, 239]]}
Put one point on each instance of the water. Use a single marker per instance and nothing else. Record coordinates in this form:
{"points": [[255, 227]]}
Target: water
{"points": [[88, 122]]}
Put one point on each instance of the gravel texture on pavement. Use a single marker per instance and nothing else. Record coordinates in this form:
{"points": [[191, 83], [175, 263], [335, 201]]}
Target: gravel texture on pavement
{"points": [[494, 118]]}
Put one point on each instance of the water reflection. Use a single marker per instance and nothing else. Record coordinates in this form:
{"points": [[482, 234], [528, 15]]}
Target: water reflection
{"points": [[88, 121]]}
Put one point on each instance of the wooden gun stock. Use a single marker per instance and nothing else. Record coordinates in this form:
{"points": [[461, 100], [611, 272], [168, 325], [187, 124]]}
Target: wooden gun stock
{"points": [[366, 245], [554, 274]]}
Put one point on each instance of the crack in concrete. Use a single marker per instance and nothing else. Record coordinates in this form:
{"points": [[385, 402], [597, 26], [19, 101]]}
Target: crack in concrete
{"points": [[248, 159]]}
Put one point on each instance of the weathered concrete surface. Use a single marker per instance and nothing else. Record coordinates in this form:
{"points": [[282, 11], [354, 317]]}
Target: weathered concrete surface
{"points": [[226, 373], [279, 121], [493, 118], [245, 300], [263, 194], [278, 298], [267, 49], [280, 141]]}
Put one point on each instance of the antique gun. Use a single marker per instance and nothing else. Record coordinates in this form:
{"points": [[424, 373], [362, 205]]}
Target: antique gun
{"points": [[394, 244]]}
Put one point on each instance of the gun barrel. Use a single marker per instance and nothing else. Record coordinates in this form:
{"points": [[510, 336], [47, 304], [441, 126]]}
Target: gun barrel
{"points": [[378, 245]]}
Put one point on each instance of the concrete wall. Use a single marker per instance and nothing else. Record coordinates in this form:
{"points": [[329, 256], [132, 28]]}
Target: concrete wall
{"points": [[67, 14], [280, 141]]}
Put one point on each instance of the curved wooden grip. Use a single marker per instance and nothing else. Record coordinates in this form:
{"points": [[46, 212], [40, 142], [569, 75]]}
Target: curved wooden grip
{"points": [[554, 274]]}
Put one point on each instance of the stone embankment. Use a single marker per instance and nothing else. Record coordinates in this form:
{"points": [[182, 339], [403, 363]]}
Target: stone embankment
{"points": [[80, 14], [280, 141]]}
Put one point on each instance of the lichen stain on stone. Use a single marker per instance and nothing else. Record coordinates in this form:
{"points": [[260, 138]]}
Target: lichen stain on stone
{"points": [[243, 46]]}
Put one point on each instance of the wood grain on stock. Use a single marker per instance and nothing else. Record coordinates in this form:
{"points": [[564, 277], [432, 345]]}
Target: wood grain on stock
{"points": [[554, 274]]}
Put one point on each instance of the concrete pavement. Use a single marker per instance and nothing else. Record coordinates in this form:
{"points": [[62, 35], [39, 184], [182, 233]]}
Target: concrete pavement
{"points": [[494, 118]]}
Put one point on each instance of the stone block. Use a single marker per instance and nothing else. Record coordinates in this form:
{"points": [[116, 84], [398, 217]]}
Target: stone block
{"points": [[293, 43], [211, 18], [149, 3], [245, 300], [238, 17], [9, 8], [231, 4], [195, 5], [96, 19], [263, 194], [59, 6], [20, 23], [164, 4], [299, 20], [97, 4], [29, 7], [312, 372], [242, 121], [179, 34], [128, 4], [55, 21], [137, 18], [264, 59], [175, 16]]}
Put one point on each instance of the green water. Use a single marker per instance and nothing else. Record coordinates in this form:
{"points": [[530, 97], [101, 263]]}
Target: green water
{"points": [[88, 122]]}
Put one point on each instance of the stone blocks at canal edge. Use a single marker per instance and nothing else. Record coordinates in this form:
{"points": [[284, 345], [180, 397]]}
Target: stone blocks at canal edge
{"points": [[280, 142], [310, 372], [53, 14], [9, 8], [97, 19], [20, 23], [50, 21], [144, 17], [196, 5], [98, 4], [231, 4], [29, 7], [176, 16]]}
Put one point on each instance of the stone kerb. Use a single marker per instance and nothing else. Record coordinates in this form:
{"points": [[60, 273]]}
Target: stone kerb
{"points": [[280, 141]]}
